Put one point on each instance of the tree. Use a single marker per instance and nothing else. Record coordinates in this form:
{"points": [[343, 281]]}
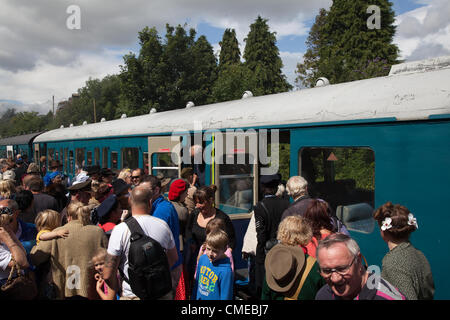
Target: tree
{"points": [[341, 46], [262, 58], [229, 49]]}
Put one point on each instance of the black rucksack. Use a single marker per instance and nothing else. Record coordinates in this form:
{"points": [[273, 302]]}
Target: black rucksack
{"points": [[148, 268]]}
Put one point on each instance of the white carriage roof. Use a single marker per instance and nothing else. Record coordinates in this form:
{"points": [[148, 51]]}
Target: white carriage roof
{"points": [[404, 96]]}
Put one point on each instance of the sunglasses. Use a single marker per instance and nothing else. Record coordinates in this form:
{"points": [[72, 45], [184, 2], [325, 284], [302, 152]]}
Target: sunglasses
{"points": [[6, 210], [135, 177]]}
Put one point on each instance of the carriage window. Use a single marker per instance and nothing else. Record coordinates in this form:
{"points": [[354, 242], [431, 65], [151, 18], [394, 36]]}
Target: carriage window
{"points": [[345, 178], [130, 158], [105, 158], [96, 156], [71, 161], [56, 155], [162, 164], [89, 158], [114, 160], [79, 158], [236, 183]]}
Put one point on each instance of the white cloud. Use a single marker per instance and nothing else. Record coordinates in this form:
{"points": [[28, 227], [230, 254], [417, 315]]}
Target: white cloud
{"points": [[424, 32]]}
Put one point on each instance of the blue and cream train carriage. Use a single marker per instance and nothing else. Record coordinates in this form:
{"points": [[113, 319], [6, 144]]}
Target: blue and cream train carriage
{"points": [[10, 147], [359, 144]]}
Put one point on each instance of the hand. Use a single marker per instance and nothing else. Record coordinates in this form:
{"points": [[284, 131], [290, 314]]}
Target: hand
{"points": [[98, 277], [62, 233], [124, 215]]}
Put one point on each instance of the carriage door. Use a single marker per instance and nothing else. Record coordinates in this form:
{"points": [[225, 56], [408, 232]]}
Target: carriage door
{"points": [[236, 168], [164, 156]]}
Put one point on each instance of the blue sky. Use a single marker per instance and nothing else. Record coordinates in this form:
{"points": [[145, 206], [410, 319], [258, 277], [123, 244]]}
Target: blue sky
{"points": [[41, 57]]}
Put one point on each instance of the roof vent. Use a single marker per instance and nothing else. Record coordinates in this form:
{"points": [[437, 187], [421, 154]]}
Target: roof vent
{"points": [[190, 104], [62, 126], [102, 120], [84, 122], [71, 125], [322, 82], [123, 116], [153, 110], [247, 94]]}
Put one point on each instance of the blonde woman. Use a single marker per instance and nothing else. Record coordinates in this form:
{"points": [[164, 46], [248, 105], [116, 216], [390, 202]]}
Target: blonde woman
{"points": [[7, 188], [70, 257], [125, 175], [291, 274]]}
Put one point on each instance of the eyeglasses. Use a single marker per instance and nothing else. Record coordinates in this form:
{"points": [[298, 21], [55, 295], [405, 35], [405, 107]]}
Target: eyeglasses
{"points": [[6, 210], [343, 270]]}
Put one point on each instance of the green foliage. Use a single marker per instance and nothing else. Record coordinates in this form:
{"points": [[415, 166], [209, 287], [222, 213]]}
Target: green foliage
{"points": [[262, 58], [342, 48], [229, 50]]}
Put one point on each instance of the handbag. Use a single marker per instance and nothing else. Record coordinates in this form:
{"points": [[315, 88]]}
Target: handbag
{"points": [[21, 287], [250, 241]]}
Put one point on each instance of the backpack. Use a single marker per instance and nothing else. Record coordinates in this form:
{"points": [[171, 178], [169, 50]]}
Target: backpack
{"points": [[148, 267]]}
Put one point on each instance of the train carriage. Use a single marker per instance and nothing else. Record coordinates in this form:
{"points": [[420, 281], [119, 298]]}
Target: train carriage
{"points": [[359, 144], [10, 147]]}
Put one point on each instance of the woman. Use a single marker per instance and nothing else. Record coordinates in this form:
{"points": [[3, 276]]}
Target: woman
{"points": [[404, 266], [285, 280], [196, 225], [177, 194], [7, 189], [317, 215]]}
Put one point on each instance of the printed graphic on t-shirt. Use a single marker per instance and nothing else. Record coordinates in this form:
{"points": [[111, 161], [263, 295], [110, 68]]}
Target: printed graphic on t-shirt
{"points": [[206, 281]]}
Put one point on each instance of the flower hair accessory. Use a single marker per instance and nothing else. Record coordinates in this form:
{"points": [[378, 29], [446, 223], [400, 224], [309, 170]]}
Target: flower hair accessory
{"points": [[386, 224], [412, 221]]}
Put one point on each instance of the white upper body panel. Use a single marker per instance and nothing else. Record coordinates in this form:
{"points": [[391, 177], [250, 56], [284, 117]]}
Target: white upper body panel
{"points": [[404, 96]]}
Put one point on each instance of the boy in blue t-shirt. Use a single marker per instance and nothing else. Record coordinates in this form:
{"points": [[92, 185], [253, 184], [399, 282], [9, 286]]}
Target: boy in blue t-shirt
{"points": [[214, 274]]}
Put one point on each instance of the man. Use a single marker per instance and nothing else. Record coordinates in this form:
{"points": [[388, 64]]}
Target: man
{"points": [[188, 175], [20, 170], [136, 177], [164, 210], [340, 264], [18, 232], [107, 175], [119, 242], [297, 188], [42, 201], [80, 191]]}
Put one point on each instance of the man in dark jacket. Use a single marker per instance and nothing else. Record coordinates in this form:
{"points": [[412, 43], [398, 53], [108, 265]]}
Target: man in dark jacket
{"points": [[297, 188], [267, 218]]}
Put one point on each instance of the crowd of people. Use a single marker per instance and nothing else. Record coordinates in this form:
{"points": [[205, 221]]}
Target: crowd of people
{"points": [[73, 239]]}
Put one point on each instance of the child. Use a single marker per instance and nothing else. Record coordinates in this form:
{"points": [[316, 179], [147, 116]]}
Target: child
{"points": [[46, 221], [104, 291], [215, 277], [214, 224]]}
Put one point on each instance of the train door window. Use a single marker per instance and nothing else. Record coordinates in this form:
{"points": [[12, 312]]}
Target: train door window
{"points": [[130, 158], [96, 156], [61, 155], [57, 155], [50, 155], [236, 183], [145, 161], [114, 160], [105, 158], [71, 161], [345, 178], [66, 161], [79, 158], [89, 158], [163, 165]]}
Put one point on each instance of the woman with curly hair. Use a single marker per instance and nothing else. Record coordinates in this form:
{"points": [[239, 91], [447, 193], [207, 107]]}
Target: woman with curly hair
{"points": [[404, 266]]}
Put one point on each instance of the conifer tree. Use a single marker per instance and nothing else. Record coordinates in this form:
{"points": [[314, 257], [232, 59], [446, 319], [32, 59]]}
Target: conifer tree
{"points": [[229, 49], [262, 58], [343, 48]]}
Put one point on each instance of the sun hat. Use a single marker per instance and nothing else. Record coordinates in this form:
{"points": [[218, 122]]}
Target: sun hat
{"points": [[283, 265]]}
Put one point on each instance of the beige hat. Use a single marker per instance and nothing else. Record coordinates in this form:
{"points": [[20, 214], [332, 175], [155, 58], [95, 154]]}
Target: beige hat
{"points": [[283, 265]]}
